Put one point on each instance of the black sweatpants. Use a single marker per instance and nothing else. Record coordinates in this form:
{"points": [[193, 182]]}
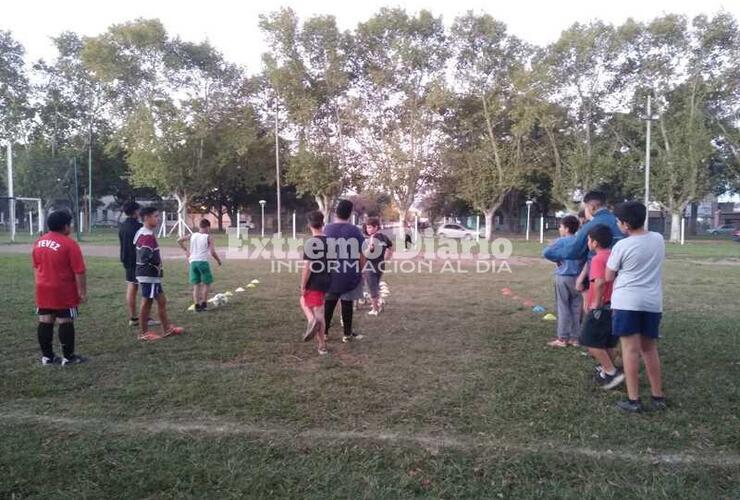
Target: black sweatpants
{"points": [[330, 303]]}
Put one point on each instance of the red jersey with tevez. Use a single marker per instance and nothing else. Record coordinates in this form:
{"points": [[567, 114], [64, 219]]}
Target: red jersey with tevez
{"points": [[597, 270], [56, 260]]}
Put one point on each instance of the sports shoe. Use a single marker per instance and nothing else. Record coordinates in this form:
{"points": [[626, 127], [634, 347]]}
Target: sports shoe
{"points": [[174, 330], [135, 322], [373, 312], [73, 360], [311, 330], [323, 352], [54, 360], [346, 338], [574, 343], [630, 406], [558, 343], [658, 404], [198, 308], [357, 336], [607, 382]]}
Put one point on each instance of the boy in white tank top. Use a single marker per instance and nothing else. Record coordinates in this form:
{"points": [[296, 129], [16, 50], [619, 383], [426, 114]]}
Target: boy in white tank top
{"points": [[201, 246]]}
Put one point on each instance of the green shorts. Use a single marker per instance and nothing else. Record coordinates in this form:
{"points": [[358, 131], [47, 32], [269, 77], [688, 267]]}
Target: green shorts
{"points": [[200, 272]]}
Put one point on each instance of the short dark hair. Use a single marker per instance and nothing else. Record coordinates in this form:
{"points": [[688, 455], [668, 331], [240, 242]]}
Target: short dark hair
{"points": [[56, 221], [130, 208], [315, 219], [602, 235], [147, 211], [571, 223], [597, 196], [344, 209], [204, 223], [631, 213], [373, 221]]}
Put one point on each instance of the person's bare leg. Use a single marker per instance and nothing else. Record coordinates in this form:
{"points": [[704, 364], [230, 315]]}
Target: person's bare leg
{"points": [[196, 295], [631, 360], [602, 357], [204, 291], [376, 303], [144, 313], [309, 312], [318, 313], [162, 310], [649, 349], [132, 289]]}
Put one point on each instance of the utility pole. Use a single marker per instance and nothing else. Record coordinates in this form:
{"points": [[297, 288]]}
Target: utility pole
{"points": [[649, 120], [76, 217], [89, 180], [277, 165], [11, 198]]}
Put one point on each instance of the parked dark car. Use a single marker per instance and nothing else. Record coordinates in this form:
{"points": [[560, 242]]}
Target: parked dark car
{"points": [[736, 235]]}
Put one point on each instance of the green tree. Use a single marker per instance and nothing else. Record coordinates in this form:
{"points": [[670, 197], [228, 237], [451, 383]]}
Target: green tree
{"points": [[400, 60], [308, 70]]}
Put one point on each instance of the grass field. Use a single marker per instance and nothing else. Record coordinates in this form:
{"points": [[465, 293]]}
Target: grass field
{"points": [[452, 394]]}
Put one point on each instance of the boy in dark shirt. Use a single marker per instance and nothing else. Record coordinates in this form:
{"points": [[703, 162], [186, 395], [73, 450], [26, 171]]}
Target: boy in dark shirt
{"points": [[378, 248], [126, 233], [315, 281]]}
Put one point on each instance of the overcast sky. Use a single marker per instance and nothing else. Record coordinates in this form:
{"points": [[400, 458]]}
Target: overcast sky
{"points": [[231, 26]]}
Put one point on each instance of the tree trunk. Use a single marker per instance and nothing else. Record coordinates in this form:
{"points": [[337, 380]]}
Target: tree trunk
{"points": [[183, 199], [220, 219], [694, 217], [676, 225], [488, 215]]}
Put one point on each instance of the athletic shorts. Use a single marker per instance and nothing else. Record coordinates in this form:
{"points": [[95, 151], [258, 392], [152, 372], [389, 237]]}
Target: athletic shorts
{"points": [[625, 323], [200, 272], [70, 313], [596, 330], [372, 279], [151, 290], [131, 275], [313, 298]]}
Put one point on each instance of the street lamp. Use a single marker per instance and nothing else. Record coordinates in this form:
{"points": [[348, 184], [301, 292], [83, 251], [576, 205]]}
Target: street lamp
{"points": [[529, 210], [262, 204], [649, 120]]}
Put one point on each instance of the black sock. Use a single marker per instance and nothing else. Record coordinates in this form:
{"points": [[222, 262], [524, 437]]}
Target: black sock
{"points": [[67, 338], [634, 401], [329, 306], [658, 398], [46, 339], [347, 311]]}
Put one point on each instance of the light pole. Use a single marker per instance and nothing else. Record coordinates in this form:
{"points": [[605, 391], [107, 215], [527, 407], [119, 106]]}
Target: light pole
{"points": [[262, 204], [277, 164], [529, 210], [649, 121], [11, 199]]}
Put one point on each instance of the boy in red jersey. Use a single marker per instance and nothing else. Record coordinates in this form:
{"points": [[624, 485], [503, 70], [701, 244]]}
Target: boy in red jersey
{"points": [[59, 272], [596, 332]]}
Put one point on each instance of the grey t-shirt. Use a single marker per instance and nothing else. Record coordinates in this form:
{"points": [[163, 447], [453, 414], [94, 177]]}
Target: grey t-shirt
{"points": [[638, 261]]}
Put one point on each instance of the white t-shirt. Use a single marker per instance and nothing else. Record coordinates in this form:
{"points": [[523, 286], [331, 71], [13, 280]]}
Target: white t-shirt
{"points": [[638, 261], [199, 247]]}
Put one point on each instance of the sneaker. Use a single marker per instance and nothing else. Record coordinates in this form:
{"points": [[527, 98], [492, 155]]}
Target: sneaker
{"points": [[204, 306], [607, 382], [311, 330], [373, 312], [558, 343], [658, 404], [629, 406], [198, 308], [357, 336], [574, 343], [133, 322], [323, 352], [73, 360], [346, 339], [54, 360]]}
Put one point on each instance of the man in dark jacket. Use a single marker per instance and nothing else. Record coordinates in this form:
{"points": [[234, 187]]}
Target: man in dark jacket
{"points": [[126, 233]]}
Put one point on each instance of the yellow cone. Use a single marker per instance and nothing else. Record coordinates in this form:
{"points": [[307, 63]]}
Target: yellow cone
{"points": [[549, 317]]}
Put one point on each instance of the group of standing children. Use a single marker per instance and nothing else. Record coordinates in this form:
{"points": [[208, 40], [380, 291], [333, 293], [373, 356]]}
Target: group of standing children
{"points": [[617, 264]]}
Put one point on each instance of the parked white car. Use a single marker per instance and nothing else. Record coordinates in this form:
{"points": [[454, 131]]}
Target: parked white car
{"points": [[455, 231]]}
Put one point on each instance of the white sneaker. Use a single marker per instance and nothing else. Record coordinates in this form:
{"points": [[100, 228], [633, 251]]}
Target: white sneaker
{"points": [[373, 312]]}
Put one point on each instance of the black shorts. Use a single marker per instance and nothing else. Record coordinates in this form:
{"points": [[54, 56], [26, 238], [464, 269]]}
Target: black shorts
{"points": [[151, 290], [597, 329], [131, 275], [70, 313]]}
